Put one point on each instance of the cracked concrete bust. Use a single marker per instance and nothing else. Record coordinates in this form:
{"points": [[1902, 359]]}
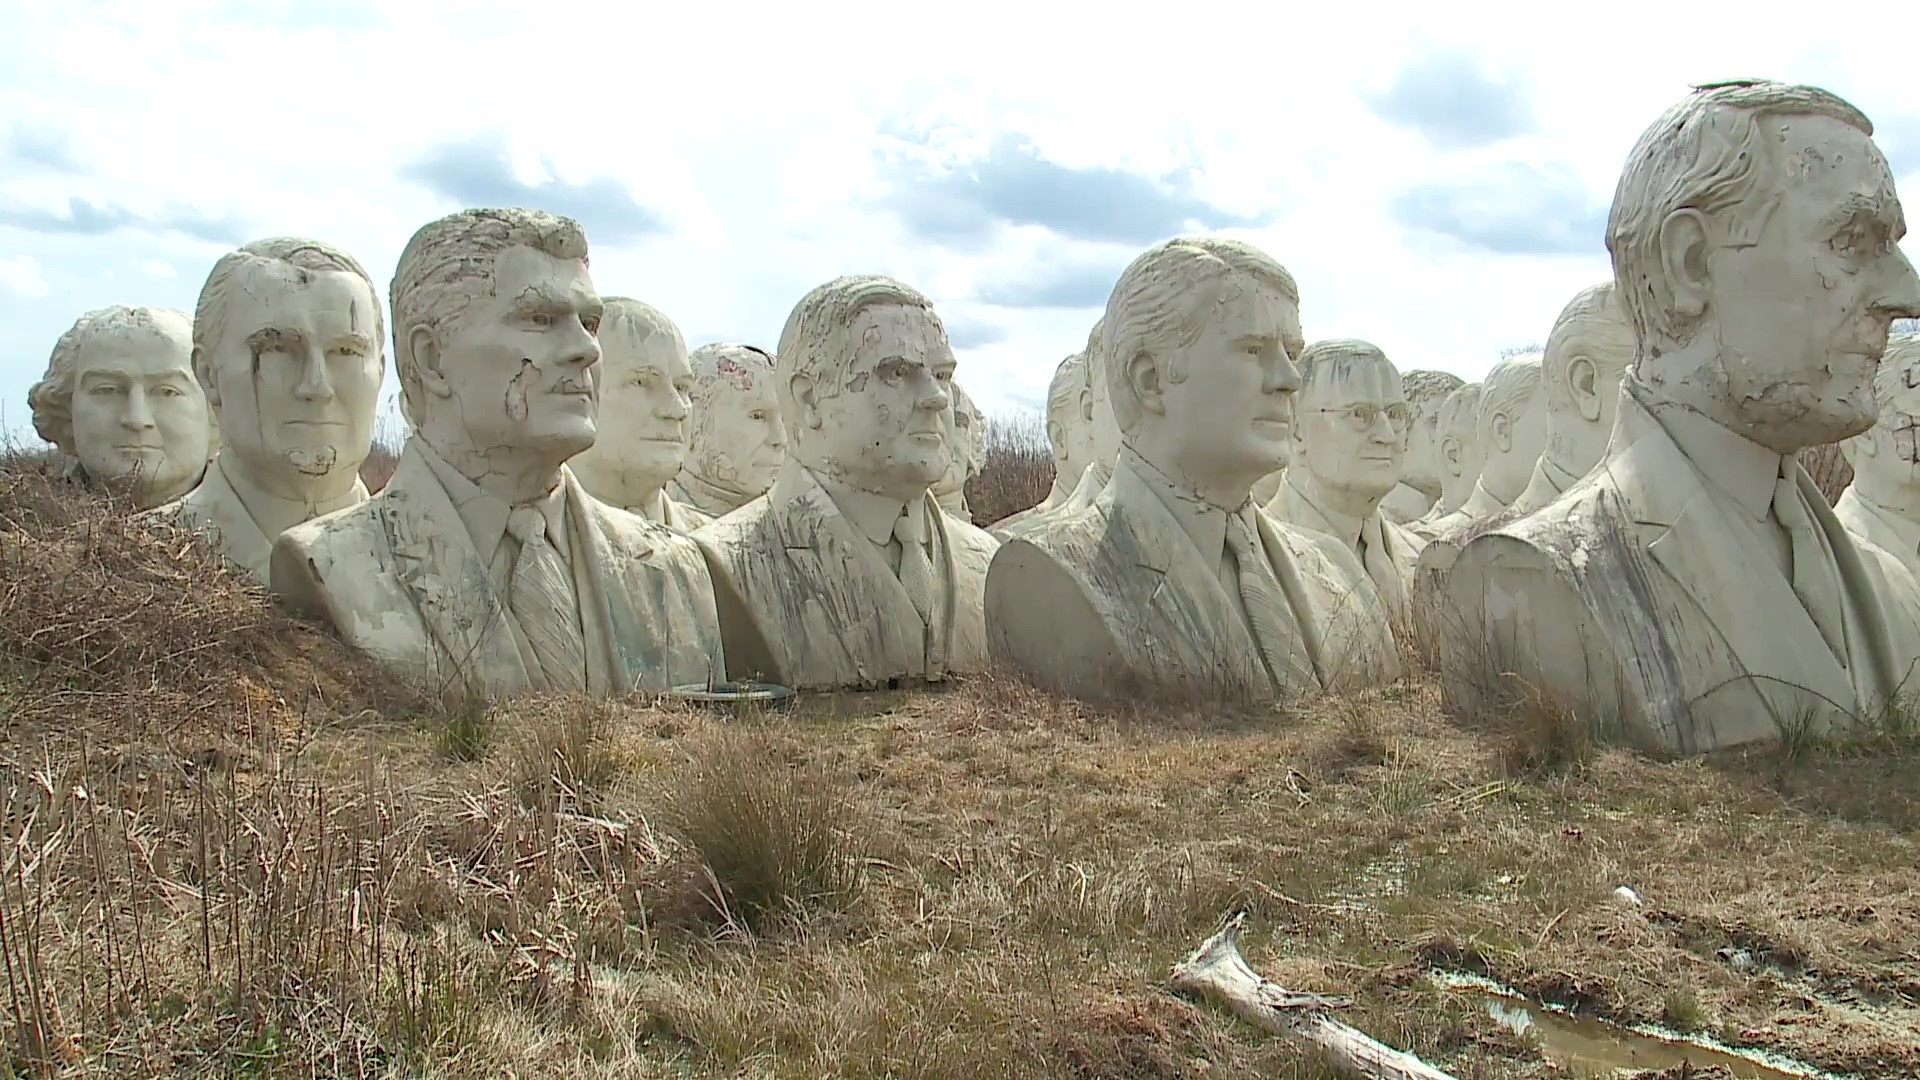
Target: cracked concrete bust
{"points": [[968, 432], [646, 382], [288, 347], [1882, 505], [119, 399], [1069, 437], [1694, 590], [1511, 432], [1349, 452], [1459, 456], [738, 439], [484, 563], [1171, 581], [1421, 478], [847, 574], [1102, 439]]}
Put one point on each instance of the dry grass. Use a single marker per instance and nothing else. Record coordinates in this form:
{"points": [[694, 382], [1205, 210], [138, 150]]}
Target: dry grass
{"points": [[1018, 472], [302, 879]]}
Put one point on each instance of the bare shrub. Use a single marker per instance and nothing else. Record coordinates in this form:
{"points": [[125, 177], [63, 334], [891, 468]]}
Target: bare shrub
{"points": [[773, 836], [1829, 469], [1018, 472]]}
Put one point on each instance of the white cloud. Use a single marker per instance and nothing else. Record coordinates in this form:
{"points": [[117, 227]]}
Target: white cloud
{"points": [[767, 141], [21, 274]]}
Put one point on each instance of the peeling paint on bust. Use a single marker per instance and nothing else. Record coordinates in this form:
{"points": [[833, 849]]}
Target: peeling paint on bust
{"points": [[516, 400], [858, 383], [736, 373], [314, 463]]}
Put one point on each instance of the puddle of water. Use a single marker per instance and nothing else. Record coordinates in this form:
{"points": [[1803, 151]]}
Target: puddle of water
{"points": [[1601, 1049]]}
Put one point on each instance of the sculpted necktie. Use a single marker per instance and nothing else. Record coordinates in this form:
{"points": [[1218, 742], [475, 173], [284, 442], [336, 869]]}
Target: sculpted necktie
{"points": [[1267, 609], [541, 596], [916, 567], [1379, 565], [1815, 579]]}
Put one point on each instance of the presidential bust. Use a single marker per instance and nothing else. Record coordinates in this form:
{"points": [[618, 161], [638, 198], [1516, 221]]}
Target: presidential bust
{"points": [[1349, 451], [848, 574], [1459, 456], [1103, 436], [1882, 505], [641, 442], [1694, 591], [1511, 430], [483, 563], [1069, 437], [969, 437], [119, 399], [1171, 581], [737, 440], [1420, 478], [288, 347], [1588, 352]]}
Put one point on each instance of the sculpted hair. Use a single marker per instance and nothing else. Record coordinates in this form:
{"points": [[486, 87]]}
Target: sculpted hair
{"points": [[1460, 412], [721, 368], [817, 340], [1154, 308], [51, 399], [1335, 358], [433, 283], [1426, 390], [1063, 401], [637, 322], [1592, 325], [301, 258], [1509, 388], [1705, 153]]}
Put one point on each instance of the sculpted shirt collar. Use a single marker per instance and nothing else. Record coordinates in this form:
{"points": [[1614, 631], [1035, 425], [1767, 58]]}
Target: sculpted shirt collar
{"points": [[1203, 522], [1742, 469], [485, 514], [872, 515], [264, 507], [1346, 527], [1559, 477]]}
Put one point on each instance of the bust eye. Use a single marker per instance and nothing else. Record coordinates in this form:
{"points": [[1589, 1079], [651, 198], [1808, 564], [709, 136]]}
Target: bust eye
{"points": [[591, 324], [170, 391], [757, 414], [103, 389], [542, 319]]}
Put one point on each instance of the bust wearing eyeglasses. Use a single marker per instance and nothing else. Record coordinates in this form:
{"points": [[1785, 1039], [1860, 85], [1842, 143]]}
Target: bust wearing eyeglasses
{"points": [[1349, 451]]}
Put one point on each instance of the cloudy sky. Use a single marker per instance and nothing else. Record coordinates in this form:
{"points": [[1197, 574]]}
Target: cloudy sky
{"points": [[1437, 184]]}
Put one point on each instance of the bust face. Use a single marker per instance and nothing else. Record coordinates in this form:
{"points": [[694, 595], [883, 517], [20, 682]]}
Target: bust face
{"points": [[1421, 467], [1508, 466], [1802, 312], [1598, 352], [1886, 459], [967, 433], [521, 362], [885, 431], [644, 383], [297, 374], [136, 406], [1232, 415], [741, 441], [1352, 433]]}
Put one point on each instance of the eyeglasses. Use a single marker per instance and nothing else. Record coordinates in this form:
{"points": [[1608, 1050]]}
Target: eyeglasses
{"points": [[1363, 415]]}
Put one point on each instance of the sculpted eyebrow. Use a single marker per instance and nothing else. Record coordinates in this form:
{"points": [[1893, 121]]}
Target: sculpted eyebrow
{"points": [[274, 339]]}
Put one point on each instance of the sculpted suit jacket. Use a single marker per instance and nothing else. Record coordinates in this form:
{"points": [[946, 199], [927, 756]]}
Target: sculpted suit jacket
{"points": [[1114, 599], [1634, 600], [1400, 552], [398, 577], [806, 601]]}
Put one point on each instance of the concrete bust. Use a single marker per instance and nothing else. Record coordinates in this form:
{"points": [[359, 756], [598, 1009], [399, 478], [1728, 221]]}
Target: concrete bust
{"points": [[1420, 479], [969, 435], [1459, 456], [1694, 590], [1349, 452], [483, 562], [1588, 352], [120, 399], [738, 440], [1882, 505], [847, 573], [1170, 580], [288, 345], [1069, 437], [646, 380]]}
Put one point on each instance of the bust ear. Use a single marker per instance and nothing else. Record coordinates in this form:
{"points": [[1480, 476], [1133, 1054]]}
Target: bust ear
{"points": [[1086, 405], [1683, 259], [807, 407], [203, 374], [425, 350], [1143, 378], [1502, 431], [1583, 378], [1451, 457]]}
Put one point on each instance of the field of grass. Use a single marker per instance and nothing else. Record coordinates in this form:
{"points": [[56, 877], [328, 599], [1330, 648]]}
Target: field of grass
{"points": [[232, 850]]}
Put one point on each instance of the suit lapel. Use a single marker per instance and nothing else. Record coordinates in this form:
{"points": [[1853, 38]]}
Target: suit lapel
{"points": [[436, 563], [610, 615], [1867, 625], [832, 557]]}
